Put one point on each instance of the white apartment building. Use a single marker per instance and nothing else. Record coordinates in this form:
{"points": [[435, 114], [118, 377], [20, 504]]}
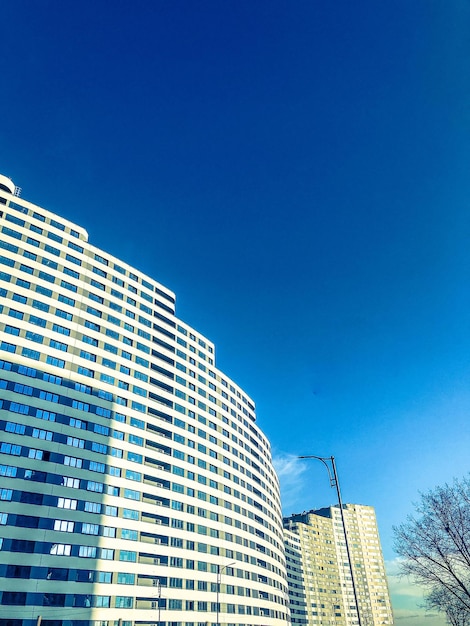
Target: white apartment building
{"points": [[136, 488], [318, 572]]}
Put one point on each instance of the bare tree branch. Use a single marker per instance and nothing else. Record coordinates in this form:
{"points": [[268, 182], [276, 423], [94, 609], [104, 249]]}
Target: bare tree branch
{"points": [[435, 546]]}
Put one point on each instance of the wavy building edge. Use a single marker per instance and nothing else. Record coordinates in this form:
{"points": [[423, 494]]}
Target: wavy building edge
{"points": [[136, 487]]}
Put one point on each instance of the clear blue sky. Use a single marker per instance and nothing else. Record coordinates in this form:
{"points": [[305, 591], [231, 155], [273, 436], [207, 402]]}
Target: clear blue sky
{"points": [[298, 173]]}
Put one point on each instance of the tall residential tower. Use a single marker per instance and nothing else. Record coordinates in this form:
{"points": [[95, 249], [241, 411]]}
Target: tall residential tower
{"points": [[319, 576], [136, 488]]}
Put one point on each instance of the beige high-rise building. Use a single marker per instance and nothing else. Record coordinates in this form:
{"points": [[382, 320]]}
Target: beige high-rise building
{"points": [[319, 578]]}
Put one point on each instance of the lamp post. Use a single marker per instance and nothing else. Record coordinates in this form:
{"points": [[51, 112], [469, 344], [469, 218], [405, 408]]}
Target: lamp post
{"points": [[334, 482], [220, 571], [158, 585]]}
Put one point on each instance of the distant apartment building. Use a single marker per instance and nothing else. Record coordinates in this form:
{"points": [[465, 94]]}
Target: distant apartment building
{"points": [[136, 488], [318, 573]]}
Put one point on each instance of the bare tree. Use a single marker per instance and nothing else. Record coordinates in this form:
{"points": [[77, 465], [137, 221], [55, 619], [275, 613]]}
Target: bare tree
{"points": [[435, 546], [457, 614]]}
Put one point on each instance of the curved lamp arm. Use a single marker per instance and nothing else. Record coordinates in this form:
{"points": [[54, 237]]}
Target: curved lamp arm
{"points": [[334, 482]]}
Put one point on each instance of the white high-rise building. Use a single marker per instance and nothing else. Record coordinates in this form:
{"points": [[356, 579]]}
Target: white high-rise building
{"points": [[318, 571], [136, 488]]}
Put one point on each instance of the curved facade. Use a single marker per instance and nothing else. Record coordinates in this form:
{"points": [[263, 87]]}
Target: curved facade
{"points": [[135, 485]]}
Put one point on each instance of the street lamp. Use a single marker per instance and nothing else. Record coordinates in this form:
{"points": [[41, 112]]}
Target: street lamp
{"points": [[159, 595], [334, 482], [220, 571], [158, 584]]}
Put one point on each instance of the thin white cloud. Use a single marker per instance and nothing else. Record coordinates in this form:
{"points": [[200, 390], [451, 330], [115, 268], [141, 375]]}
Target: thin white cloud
{"points": [[402, 585], [408, 599], [290, 471]]}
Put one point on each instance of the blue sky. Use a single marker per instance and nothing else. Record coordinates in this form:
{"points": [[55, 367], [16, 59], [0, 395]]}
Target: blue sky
{"points": [[298, 174]]}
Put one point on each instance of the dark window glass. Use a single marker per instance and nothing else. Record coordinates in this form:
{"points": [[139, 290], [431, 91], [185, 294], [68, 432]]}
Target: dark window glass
{"points": [[57, 573], [27, 521], [22, 545], [28, 497], [18, 571], [57, 224], [14, 597], [53, 599], [84, 576]]}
